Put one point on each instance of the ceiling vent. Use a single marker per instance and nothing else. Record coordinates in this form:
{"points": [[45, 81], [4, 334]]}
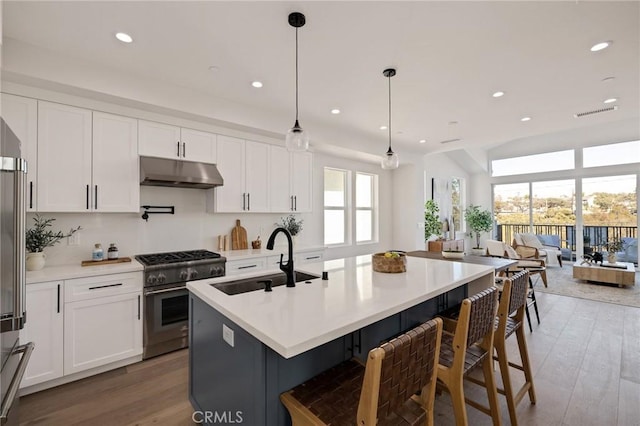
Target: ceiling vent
{"points": [[450, 140], [595, 111]]}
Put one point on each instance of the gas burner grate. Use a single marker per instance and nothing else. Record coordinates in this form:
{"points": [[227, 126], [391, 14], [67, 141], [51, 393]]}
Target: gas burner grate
{"points": [[175, 257]]}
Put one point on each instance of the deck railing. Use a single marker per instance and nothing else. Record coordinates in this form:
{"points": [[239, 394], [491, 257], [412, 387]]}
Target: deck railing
{"points": [[598, 235]]}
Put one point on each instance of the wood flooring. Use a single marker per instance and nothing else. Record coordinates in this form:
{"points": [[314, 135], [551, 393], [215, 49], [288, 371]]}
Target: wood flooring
{"points": [[585, 357]]}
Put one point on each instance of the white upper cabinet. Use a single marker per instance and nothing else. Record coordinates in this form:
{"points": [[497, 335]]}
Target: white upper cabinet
{"points": [[86, 161], [244, 168], [21, 114], [116, 175], [64, 158], [290, 180], [166, 141]]}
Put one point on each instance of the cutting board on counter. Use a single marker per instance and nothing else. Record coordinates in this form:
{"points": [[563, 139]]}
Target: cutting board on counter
{"points": [[238, 237]]}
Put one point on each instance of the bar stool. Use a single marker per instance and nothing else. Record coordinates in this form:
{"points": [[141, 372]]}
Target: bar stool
{"points": [[467, 342], [510, 318], [382, 392]]}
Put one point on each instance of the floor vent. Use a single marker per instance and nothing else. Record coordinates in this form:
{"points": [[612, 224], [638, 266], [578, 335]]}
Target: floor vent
{"points": [[450, 140], [596, 111]]}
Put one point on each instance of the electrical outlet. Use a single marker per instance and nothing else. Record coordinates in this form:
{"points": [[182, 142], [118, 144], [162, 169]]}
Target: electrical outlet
{"points": [[227, 335], [73, 240]]}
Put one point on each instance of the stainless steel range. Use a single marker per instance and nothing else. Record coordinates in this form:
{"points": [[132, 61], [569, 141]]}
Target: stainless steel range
{"points": [[166, 299]]}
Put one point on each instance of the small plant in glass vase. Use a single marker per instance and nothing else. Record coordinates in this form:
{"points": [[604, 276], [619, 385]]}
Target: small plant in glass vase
{"points": [[432, 224], [291, 224], [40, 237], [478, 221], [613, 246]]}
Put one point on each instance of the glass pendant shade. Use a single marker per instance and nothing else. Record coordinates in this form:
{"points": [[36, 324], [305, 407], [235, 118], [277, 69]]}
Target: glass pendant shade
{"points": [[390, 160], [297, 138]]}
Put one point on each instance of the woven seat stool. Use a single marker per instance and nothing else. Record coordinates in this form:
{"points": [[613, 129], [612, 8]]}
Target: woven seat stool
{"points": [[380, 393], [510, 318], [467, 342]]}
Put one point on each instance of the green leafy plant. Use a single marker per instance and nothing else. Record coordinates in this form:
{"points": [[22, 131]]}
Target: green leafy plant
{"points": [[39, 237], [615, 245], [291, 224], [478, 221], [432, 224]]}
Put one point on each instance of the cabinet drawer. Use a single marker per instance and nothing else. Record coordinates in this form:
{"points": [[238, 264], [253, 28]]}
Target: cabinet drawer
{"points": [[274, 261], [246, 265], [100, 286], [308, 257]]}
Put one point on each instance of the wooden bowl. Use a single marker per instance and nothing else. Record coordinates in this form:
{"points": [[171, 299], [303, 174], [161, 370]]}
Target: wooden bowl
{"points": [[389, 265], [453, 254]]}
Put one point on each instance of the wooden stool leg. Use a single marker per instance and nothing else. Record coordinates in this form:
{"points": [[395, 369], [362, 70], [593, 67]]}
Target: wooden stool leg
{"points": [[492, 392], [501, 352], [456, 391], [526, 364]]}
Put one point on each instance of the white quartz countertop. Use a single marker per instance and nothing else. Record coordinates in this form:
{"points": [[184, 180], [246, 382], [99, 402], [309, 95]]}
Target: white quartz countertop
{"points": [[65, 272], [293, 320], [232, 255]]}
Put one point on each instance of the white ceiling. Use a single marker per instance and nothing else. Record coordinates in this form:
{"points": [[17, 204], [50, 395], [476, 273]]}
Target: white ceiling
{"points": [[450, 57]]}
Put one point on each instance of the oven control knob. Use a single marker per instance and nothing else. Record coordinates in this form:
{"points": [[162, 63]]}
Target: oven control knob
{"points": [[184, 275], [214, 270], [151, 279], [162, 278], [220, 271], [193, 274]]}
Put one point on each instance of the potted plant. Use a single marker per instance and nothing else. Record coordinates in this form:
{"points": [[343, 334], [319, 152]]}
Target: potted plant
{"points": [[432, 224], [38, 238], [613, 247], [291, 224], [478, 221]]}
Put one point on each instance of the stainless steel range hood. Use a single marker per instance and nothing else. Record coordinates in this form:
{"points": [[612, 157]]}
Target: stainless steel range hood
{"points": [[177, 173]]}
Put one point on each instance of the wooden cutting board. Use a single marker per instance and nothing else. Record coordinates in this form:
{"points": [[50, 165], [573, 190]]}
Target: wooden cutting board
{"points": [[239, 237]]}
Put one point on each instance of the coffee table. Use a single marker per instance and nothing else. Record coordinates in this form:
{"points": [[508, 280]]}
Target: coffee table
{"points": [[622, 276]]}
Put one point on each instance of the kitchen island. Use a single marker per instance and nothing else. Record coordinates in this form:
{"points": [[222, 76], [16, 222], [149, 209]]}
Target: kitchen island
{"points": [[248, 348]]}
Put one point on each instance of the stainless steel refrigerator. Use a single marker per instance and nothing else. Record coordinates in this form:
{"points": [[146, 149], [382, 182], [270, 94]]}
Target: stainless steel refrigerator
{"points": [[15, 356]]}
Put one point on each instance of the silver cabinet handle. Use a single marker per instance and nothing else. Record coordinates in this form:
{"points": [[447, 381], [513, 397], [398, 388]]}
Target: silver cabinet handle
{"points": [[244, 201], [178, 154], [25, 350]]}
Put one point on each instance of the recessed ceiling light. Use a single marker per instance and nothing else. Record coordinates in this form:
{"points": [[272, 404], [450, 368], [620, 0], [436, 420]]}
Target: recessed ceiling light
{"points": [[453, 123], [525, 119], [256, 84], [497, 94], [383, 127], [599, 46], [608, 79], [422, 141], [214, 68], [335, 111], [610, 100], [124, 37]]}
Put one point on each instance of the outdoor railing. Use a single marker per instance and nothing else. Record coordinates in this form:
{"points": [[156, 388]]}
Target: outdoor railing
{"points": [[598, 235]]}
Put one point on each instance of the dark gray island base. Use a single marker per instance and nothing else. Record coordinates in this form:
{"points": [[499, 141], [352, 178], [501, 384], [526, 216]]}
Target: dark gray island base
{"points": [[242, 384]]}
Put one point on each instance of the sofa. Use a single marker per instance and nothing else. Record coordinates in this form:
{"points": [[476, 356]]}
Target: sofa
{"points": [[629, 251], [554, 241]]}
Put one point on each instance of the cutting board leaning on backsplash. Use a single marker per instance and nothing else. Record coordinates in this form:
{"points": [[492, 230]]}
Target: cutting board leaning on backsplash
{"points": [[239, 237]]}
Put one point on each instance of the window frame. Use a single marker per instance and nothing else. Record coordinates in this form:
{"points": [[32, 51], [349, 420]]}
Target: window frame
{"points": [[346, 208], [373, 209]]}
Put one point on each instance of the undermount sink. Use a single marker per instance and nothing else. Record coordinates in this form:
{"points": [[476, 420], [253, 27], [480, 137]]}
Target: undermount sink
{"points": [[251, 284]]}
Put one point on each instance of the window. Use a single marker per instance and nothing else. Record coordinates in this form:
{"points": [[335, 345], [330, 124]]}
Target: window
{"points": [[350, 207], [538, 163], [335, 206], [613, 154], [457, 204], [365, 220]]}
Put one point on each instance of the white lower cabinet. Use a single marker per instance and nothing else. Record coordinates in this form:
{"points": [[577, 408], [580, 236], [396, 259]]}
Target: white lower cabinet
{"points": [[44, 327], [82, 323], [246, 265]]}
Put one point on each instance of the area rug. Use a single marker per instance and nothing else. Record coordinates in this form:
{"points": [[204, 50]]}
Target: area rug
{"points": [[561, 282]]}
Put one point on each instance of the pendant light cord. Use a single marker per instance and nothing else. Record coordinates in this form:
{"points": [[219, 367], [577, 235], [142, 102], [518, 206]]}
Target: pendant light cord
{"points": [[389, 113], [296, 76]]}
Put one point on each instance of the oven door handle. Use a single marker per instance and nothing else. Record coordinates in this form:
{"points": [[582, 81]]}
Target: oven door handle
{"points": [[166, 290]]}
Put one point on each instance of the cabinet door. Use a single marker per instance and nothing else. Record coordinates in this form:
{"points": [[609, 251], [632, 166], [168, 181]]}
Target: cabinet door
{"points": [[64, 158], [44, 327], [280, 180], [257, 176], [21, 114], [116, 175], [198, 146], [301, 181], [159, 140], [101, 331], [231, 197]]}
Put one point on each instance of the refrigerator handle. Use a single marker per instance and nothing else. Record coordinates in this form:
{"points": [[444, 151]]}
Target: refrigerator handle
{"points": [[19, 227], [25, 350]]}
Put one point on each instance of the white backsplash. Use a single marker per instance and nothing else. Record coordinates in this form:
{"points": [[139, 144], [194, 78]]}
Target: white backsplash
{"points": [[191, 227]]}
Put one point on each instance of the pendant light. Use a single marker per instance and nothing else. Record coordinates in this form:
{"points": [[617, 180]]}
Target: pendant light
{"points": [[297, 138], [390, 160]]}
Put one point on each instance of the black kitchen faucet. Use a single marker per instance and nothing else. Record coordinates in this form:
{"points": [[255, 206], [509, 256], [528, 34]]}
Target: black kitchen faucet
{"points": [[288, 267]]}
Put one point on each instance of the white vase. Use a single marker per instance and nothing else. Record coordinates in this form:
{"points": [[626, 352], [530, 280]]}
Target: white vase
{"points": [[612, 258], [35, 261]]}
